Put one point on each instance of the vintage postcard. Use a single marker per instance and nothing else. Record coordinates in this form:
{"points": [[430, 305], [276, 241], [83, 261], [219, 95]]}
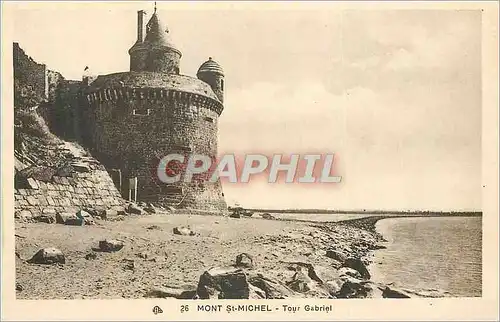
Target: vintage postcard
{"points": [[249, 160]]}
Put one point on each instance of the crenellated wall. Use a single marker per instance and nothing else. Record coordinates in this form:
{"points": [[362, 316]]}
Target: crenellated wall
{"points": [[151, 96]]}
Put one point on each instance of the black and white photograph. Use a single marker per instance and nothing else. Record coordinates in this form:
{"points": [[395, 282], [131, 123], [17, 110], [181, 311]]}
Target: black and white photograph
{"points": [[243, 151]]}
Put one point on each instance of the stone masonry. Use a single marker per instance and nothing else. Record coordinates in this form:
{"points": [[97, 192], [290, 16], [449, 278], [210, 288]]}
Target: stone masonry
{"points": [[133, 119]]}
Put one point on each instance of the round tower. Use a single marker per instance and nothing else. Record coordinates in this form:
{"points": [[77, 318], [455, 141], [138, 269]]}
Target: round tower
{"points": [[155, 52], [134, 119], [211, 73]]}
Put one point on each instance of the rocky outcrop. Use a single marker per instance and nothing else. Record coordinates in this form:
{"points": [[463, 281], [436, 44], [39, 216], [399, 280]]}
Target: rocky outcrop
{"points": [[135, 209], [353, 288], [359, 266], [223, 283], [336, 255], [272, 288], [110, 245]]}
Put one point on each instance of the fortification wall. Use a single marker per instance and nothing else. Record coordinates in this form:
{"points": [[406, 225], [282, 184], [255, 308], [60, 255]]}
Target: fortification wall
{"points": [[54, 79], [52, 175], [56, 176], [92, 189], [132, 129], [62, 112]]}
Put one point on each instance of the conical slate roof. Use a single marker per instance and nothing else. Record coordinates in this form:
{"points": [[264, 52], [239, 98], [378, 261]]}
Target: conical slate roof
{"points": [[210, 66], [156, 35]]}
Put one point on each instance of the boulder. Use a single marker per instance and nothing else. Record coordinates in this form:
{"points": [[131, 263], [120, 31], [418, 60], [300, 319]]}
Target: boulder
{"points": [[65, 171], [91, 211], [172, 292], [110, 245], [49, 211], [244, 260], [336, 255], [308, 269], [346, 271], [334, 286], [272, 289], [377, 247], [48, 256], [312, 279], [357, 265], [23, 215], [62, 217], [39, 173], [135, 209], [32, 184], [267, 216], [300, 282], [80, 167], [184, 231], [85, 217], [394, 294], [151, 210], [223, 283], [109, 213], [46, 218], [256, 293], [353, 288], [97, 213], [235, 215], [74, 221]]}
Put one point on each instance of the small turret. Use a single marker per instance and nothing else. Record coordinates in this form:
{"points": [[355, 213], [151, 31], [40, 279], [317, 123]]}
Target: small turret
{"points": [[211, 73], [155, 52]]}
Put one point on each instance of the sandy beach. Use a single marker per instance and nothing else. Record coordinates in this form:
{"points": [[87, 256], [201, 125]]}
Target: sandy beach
{"points": [[154, 258]]}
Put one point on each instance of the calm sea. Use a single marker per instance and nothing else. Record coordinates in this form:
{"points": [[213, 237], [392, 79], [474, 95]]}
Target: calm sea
{"points": [[431, 256]]}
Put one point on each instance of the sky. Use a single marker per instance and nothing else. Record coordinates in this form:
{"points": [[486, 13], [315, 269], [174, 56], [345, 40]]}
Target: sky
{"points": [[396, 95]]}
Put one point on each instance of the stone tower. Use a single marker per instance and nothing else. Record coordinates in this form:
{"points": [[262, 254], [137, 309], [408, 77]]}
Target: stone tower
{"points": [[133, 119], [211, 73]]}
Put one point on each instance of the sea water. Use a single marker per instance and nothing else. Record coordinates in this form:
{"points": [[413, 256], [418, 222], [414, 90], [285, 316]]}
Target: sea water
{"points": [[439, 256]]}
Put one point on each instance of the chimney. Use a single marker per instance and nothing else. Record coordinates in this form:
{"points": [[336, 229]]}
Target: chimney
{"points": [[140, 26]]}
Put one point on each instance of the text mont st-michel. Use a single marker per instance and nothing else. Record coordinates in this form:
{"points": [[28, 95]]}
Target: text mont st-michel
{"points": [[264, 308]]}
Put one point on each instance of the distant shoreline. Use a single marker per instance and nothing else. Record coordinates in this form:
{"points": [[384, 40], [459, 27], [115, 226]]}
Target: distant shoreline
{"points": [[367, 212]]}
